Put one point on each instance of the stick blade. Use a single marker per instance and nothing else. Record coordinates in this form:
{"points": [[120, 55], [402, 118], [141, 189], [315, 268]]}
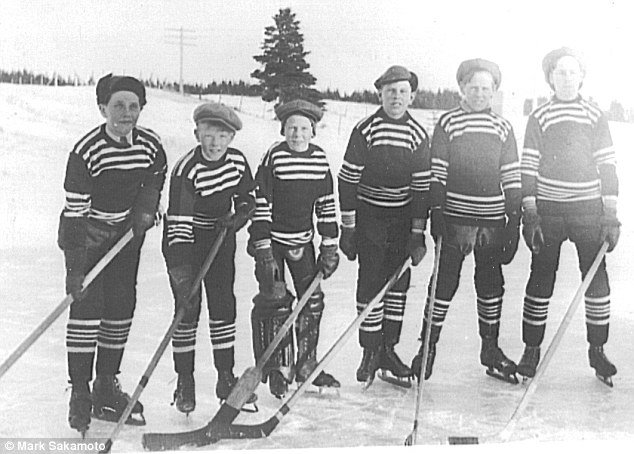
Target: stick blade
{"points": [[463, 440]]}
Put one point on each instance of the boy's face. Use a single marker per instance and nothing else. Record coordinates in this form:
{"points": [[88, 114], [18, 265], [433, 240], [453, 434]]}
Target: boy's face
{"points": [[566, 78], [298, 130], [214, 139], [122, 112], [478, 91], [396, 98]]}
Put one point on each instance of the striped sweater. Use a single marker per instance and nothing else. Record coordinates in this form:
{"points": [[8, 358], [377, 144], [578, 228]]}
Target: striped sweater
{"points": [[201, 191], [292, 187], [569, 163], [475, 168], [103, 176], [386, 168]]}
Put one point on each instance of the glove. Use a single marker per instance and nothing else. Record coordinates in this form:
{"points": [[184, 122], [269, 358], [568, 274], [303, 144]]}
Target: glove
{"points": [[347, 243], [510, 238], [438, 225], [416, 247], [182, 278], [235, 221], [75, 272], [144, 210], [267, 271], [610, 228], [532, 230], [328, 260]]}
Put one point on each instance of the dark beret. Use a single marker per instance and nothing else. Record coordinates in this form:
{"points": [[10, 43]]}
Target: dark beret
{"points": [[218, 113], [396, 74], [110, 84], [299, 107], [468, 67], [550, 60]]}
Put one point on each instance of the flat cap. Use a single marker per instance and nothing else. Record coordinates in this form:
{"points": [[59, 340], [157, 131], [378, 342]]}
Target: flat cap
{"points": [[299, 107], [218, 113], [110, 84], [550, 60], [396, 74], [468, 67]]}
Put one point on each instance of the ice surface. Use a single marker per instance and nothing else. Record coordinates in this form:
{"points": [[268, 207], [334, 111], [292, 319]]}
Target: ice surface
{"points": [[39, 125]]}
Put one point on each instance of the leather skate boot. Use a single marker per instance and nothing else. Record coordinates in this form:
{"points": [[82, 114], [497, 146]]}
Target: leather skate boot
{"points": [[185, 393], [604, 369], [224, 386], [307, 333], [369, 365], [497, 364], [79, 407], [529, 361], [109, 401]]}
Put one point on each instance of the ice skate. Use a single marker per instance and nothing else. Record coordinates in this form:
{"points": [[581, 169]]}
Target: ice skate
{"points": [[369, 365], [497, 364], [224, 385], [393, 370], [602, 366], [278, 385], [417, 362], [109, 402], [529, 361], [79, 408], [323, 381], [185, 394]]}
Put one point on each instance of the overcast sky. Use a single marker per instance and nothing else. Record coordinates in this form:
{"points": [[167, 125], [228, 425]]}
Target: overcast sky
{"points": [[351, 41]]}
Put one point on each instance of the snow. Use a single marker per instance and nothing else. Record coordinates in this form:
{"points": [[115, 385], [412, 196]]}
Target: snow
{"points": [[39, 125]]}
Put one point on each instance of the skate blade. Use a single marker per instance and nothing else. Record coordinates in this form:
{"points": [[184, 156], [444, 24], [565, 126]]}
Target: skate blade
{"points": [[135, 419], [605, 380], [511, 378], [401, 382], [250, 406], [366, 384]]}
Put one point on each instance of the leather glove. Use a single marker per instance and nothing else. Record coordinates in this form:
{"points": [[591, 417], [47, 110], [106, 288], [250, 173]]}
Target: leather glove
{"points": [[532, 230], [267, 271], [610, 228], [235, 221], [144, 210], [438, 225], [510, 238], [347, 243], [182, 278], [75, 272], [416, 247], [328, 260]]}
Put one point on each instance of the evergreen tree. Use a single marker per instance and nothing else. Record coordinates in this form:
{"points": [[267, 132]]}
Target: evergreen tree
{"points": [[285, 75]]}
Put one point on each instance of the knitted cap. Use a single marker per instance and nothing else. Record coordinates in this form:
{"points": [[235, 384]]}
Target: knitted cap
{"points": [[396, 74], [468, 67], [550, 60], [218, 113], [110, 84]]}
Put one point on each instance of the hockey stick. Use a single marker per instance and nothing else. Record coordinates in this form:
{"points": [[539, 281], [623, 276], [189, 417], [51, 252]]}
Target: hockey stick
{"points": [[180, 313], [411, 438], [66, 302], [505, 434], [215, 431]]}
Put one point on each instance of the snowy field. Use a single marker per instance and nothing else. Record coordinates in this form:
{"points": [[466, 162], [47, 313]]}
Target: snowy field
{"points": [[39, 125]]}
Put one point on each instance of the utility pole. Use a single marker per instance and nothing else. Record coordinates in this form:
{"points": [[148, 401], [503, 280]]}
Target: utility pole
{"points": [[179, 34]]}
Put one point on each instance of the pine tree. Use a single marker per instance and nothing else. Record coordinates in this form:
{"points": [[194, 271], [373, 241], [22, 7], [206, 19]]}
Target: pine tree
{"points": [[285, 75]]}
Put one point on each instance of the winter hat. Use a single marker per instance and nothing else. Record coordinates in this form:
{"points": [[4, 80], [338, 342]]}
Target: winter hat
{"points": [[110, 84], [468, 67], [218, 113], [550, 60], [396, 74], [299, 107]]}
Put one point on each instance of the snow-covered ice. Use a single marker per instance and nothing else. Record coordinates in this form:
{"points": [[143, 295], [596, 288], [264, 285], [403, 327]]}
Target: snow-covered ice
{"points": [[39, 125]]}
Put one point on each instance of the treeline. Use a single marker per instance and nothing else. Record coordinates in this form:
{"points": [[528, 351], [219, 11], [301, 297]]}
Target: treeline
{"points": [[425, 99]]}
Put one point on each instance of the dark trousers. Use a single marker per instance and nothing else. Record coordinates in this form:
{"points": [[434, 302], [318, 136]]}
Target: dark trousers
{"points": [[584, 233], [101, 321]]}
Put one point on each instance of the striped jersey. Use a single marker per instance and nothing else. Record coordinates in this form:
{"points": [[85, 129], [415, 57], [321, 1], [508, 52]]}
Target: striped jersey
{"points": [[103, 176], [386, 168], [201, 191], [569, 162], [292, 187], [475, 167]]}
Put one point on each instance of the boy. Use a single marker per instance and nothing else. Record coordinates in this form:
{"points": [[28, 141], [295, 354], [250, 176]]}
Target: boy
{"points": [[383, 187], [113, 181], [294, 183], [475, 196], [211, 188], [569, 191]]}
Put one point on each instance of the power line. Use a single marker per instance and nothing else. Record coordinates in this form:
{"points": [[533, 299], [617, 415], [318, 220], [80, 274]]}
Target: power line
{"points": [[182, 38]]}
